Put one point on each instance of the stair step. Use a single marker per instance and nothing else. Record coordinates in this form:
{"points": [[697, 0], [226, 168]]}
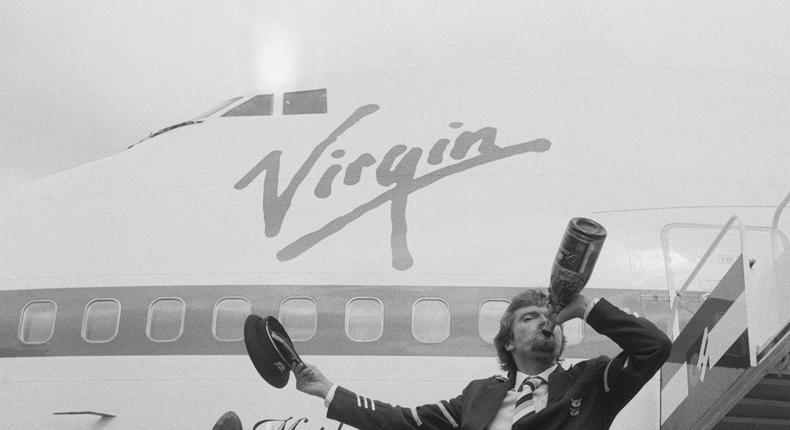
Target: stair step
{"points": [[761, 408], [744, 423], [771, 388]]}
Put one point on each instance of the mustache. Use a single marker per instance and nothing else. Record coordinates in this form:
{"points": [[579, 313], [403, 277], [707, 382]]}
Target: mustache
{"points": [[544, 344]]}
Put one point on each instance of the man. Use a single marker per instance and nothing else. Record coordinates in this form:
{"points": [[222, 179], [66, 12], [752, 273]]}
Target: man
{"points": [[538, 393]]}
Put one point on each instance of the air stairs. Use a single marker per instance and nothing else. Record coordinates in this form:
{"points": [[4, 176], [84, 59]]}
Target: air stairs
{"points": [[760, 399], [729, 368], [765, 406]]}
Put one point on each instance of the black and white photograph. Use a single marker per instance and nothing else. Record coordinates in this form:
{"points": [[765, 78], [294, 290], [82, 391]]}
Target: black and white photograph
{"points": [[437, 215]]}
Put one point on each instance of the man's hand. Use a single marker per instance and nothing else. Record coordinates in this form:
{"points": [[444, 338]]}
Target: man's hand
{"points": [[575, 309], [310, 380]]}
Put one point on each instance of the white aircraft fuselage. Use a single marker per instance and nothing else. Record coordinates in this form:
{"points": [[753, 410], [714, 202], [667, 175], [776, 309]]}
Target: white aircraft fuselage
{"points": [[385, 218]]}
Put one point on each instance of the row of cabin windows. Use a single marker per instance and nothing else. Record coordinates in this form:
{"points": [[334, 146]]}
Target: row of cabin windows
{"points": [[364, 320]]}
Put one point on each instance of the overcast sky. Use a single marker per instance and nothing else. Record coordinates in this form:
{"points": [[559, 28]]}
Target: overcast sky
{"points": [[82, 80]]}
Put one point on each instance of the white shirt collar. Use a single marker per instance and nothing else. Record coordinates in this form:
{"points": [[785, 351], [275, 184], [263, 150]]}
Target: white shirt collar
{"points": [[520, 377]]}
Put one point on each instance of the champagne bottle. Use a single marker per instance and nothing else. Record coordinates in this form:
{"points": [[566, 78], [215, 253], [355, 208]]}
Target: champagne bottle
{"points": [[574, 263]]}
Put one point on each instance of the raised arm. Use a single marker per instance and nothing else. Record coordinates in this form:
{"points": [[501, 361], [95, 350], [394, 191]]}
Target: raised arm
{"points": [[645, 349]]}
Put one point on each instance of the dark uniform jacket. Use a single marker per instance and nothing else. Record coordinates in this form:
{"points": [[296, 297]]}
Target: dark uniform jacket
{"points": [[587, 396]]}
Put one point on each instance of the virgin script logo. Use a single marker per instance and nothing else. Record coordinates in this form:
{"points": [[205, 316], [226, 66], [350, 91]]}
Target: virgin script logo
{"points": [[398, 177]]}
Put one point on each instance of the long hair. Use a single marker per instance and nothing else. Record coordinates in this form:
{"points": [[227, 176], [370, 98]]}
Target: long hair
{"points": [[529, 297]]}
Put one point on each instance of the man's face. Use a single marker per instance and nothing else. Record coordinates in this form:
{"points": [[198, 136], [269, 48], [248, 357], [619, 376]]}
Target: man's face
{"points": [[528, 338]]}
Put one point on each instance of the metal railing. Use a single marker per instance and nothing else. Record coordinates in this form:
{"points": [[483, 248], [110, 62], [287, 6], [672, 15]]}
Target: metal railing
{"points": [[675, 294]]}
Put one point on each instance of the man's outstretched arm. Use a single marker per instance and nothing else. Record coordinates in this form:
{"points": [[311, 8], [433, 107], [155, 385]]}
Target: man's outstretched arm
{"points": [[365, 413]]}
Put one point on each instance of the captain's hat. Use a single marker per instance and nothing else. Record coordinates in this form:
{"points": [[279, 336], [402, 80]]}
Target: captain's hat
{"points": [[270, 349]]}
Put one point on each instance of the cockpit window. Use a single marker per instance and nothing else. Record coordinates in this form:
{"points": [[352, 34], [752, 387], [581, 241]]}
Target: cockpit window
{"points": [[304, 102], [260, 105], [216, 109]]}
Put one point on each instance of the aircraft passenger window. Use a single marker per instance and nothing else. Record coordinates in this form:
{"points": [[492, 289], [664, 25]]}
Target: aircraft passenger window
{"points": [[166, 319], [38, 322], [102, 317], [573, 331], [299, 317], [229, 316], [430, 320], [303, 102], [488, 319], [364, 319], [260, 105]]}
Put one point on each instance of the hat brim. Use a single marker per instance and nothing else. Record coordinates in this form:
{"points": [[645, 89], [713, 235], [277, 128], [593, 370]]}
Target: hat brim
{"points": [[270, 349]]}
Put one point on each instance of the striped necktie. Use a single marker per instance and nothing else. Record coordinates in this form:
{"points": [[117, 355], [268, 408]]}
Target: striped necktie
{"points": [[525, 404]]}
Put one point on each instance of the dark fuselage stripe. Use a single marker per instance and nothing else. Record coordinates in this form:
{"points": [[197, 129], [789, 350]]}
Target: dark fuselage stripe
{"points": [[330, 339]]}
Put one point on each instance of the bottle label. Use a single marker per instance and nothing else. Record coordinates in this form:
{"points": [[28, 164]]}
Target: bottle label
{"points": [[572, 254]]}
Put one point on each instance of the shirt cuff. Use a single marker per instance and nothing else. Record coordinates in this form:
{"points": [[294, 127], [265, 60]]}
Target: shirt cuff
{"points": [[590, 306], [330, 395]]}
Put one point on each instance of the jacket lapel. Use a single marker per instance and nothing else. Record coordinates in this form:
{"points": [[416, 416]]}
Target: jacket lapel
{"points": [[491, 397], [559, 382], [489, 403]]}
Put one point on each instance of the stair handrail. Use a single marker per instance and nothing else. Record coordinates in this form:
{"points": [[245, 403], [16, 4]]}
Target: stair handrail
{"points": [[775, 224], [673, 298], [779, 210]]}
